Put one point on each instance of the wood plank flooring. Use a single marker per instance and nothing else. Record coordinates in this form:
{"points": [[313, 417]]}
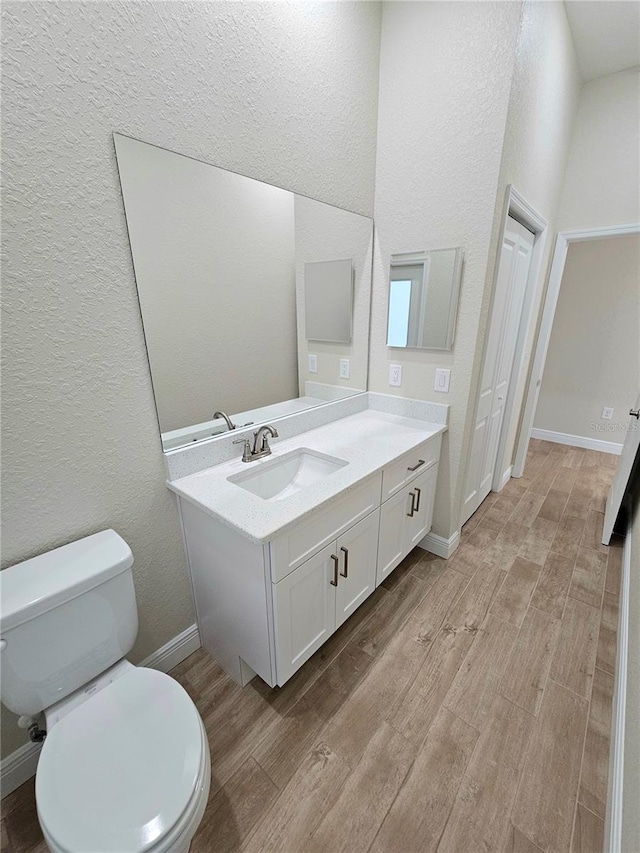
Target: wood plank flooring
{"points": [[465, 707]]}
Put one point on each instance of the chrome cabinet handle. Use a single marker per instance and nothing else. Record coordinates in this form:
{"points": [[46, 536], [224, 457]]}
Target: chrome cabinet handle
{"points": [[419, 491], [635, 413], [336, 561], [415, 467], [345, 551], [413, 509]]}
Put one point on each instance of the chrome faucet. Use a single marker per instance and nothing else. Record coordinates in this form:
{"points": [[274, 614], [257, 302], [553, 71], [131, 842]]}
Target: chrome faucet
{"points": [[260, 443], [229, 422]]}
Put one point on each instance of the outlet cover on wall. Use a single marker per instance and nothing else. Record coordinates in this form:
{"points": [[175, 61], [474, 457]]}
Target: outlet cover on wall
{"points": [[345, 368], [313, 363], [443, 380], [607, 413], [395, 375]]}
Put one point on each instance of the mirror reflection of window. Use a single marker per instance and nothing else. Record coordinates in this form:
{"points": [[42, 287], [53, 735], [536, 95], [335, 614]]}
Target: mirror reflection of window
{"points": [[413, 282], [399, 304]]}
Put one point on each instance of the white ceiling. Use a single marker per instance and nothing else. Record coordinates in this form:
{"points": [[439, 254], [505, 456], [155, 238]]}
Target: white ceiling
{"points": [[606, 35]]}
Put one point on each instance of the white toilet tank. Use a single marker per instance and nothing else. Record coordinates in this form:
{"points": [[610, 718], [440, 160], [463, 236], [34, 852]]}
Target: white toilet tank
{"points": [[65, 617]]}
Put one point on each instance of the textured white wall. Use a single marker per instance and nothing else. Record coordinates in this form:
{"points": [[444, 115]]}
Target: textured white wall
{"points": [[443, 105], [602, 181], [285, 92], [594, 351], [214, 257]]}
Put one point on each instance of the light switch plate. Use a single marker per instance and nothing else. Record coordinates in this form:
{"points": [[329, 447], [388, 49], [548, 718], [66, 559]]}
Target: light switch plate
{"points": [[345, 368], [395, 375], [607, 413], [313, 363], [443, 380]]}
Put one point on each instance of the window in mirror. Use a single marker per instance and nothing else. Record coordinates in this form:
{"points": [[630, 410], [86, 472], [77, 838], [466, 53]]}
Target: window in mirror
{"points": [[423, 299]]}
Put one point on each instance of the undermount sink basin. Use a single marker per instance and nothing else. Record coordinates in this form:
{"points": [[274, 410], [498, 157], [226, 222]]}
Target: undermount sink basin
{"points": [[281, 478]]}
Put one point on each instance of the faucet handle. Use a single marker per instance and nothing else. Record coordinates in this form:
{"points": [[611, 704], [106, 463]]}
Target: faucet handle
{"points": [[246, 451], [262, 435]]}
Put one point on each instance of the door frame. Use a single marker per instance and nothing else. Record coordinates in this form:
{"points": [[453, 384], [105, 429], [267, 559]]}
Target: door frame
{"points": [[563, 240], [516, 206], [519, 208]]}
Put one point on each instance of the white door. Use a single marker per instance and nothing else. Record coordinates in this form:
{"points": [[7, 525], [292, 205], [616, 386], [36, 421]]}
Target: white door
{"points": [[630, 453], [506, 316], [358, 552], [305, 611]]}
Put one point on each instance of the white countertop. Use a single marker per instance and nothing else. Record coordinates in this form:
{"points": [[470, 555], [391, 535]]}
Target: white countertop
{"points": [[367, 441]]}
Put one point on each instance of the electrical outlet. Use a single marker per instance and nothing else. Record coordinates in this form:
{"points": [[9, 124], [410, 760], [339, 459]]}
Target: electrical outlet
{"points": [[345, 368], [443, 380], [313, 363], [395, 375], [607, 413]]}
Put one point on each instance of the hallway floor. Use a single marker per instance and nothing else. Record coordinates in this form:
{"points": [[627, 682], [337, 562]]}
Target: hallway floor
{"points": [[465, 707]]}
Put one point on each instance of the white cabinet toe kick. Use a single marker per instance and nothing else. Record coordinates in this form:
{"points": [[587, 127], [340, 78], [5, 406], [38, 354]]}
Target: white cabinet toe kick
{"points": [[266, 608]]}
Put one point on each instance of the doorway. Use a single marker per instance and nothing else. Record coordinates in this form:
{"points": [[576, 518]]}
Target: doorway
{"points": [[564, 240]]}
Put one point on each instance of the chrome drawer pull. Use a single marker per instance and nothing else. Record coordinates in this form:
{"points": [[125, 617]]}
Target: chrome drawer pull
{"points": [[413, 509], [419, 491], [334, 582], [345, 551], [415, 467]]}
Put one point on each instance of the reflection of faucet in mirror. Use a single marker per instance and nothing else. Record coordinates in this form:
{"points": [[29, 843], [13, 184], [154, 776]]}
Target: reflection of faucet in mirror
{"points": [[230, 423]]}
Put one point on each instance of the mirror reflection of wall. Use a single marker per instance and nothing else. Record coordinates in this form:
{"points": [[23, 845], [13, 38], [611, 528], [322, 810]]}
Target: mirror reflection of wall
{"points": [[423, 299], [216, 260], [325, 233]]}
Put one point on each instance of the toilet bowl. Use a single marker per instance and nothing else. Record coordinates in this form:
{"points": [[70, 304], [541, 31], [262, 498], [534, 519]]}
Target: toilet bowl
{"points": [[127, 770], [125, 766]]}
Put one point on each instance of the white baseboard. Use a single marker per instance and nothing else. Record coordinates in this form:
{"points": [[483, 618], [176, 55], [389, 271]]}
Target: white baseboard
{"points": [[506, 477], [175, 651], [613, 826], [440, 546], [577, 441], [21, 765], [18, 767]]}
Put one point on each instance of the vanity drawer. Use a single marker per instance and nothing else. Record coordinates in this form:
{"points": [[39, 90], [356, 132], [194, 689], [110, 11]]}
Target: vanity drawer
{"points": [[396, 475], [291, 549]]}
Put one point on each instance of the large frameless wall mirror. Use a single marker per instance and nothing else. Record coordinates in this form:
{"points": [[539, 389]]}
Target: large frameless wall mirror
{"points": [[423, 299], [220, 261]]}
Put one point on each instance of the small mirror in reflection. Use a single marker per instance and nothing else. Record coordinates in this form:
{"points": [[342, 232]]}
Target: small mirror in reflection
{"points": [[423, 299]]}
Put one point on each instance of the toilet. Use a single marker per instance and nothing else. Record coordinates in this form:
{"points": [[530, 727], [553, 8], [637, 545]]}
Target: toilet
{"points": [[125, 766]]}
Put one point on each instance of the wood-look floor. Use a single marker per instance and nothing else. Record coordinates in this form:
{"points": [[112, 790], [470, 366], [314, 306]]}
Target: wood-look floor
{"points": [[465, 707]]}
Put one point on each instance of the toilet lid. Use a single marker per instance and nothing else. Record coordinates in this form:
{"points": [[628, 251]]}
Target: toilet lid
{"points": [[117, 773]]}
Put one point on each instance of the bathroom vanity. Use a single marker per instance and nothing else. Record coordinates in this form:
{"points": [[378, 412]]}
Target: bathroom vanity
{"points": [[283, 550]]}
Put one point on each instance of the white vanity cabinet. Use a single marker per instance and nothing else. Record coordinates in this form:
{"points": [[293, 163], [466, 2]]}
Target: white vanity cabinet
{"points": [[266, 608], [317, 597]]}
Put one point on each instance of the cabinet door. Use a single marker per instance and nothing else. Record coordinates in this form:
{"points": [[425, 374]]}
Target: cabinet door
{"points": [[358, 551], [419, 524], [394, 532], [305, 611], [405, 519]]}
